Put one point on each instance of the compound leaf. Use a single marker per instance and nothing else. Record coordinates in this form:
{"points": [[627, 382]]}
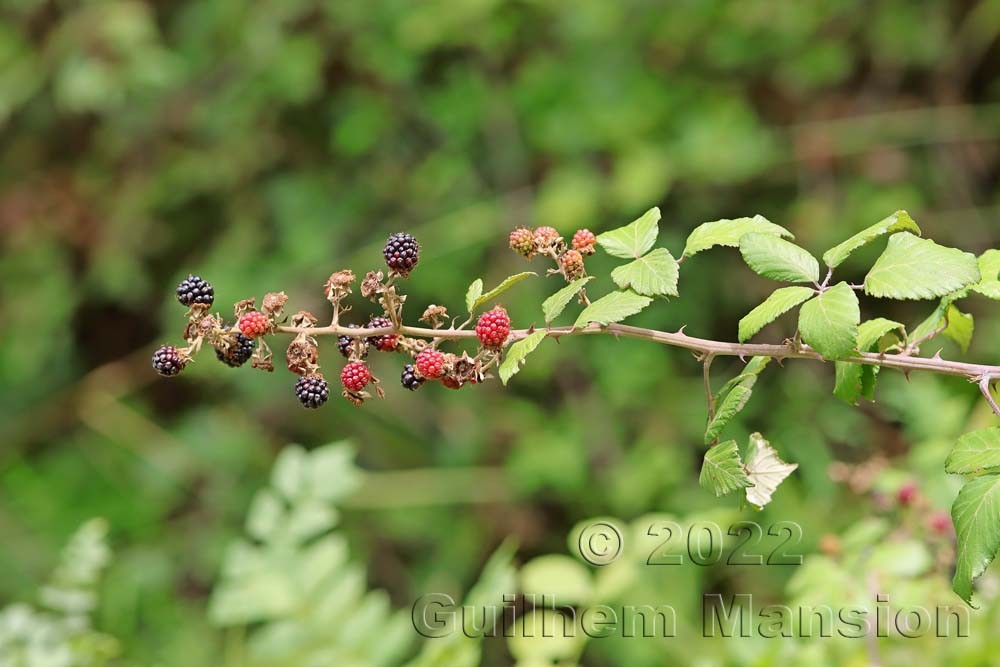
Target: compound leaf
{"points": [[829, 323], [729, 232], [613, 307], [634, 239], [654, 274], [916, 268], [722, 471], [777, 259], [780, 302], [897, 222]]}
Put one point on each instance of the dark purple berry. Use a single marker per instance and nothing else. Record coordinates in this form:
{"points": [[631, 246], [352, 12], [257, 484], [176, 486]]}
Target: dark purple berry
{"points": [[194, 290], [239, 352], [410, 379], [346, 344], [386, 343], [167, 361], [312, 391], [401, 253]]}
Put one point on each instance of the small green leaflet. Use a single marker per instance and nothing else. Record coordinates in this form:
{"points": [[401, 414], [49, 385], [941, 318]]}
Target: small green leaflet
{"points": [[765, 470], [780, 302], [829, 323], [916, 268], [555, 304], [472, 295], [507, 283], [951, 322], [722, 471], [654, 274], [517, 354], [777, 259], [897, 222], [975, 453], [976, 515], [733, 397], [633, 240], [989, 268], [857, 380], [729, 232], [613, 307]]}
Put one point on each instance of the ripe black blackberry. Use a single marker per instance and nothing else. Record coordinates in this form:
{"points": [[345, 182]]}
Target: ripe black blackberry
{"points": [[401, 253], [167, 361], [410, 379], [346, 344], [194, 290], [312, 391], [386, 343], [239, 352]]}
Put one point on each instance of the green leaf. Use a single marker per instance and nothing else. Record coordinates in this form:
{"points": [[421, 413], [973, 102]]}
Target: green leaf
{"points": [[848, 385], [780, 302], [555, 304], [750, 372], [722, 471], [777, 259], [960, 327], [654, 274], [975, 453], [989, 269], [517, 353], [916, 268], [733, 397], [976, 515], [507, 283], [613, 307], [729, 232], [871, 332], [897, 222], [829, 323], [472, 295], [857, 380], [633, 240]]}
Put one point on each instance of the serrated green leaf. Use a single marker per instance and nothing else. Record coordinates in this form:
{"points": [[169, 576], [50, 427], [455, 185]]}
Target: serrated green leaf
{"points": [[976, 515], [473, 293], [634, 239], [780, 302], [829, 323], [857, 380], [729, 232], [555, 304], [961, 327], [748, 376], [731, 405], [507, 283], [722, 470], [975, 453], [989, 269], [916, 268], [613, 307], [897, 222], [653, 274], [517, 354], [777, 259]]}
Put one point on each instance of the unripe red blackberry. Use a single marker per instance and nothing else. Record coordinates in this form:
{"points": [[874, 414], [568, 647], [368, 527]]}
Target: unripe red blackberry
{"points": [[493, 328], [312, 391], [167, 361], [522, 240], [240, 350], [410, 379], [386, 343], [430, 363], [355, 376], [347, 344], [584, 241], [940, 523], [546, 237], [572, 264], [401, 253], [253, 324], [907, 494], [194, 290]]}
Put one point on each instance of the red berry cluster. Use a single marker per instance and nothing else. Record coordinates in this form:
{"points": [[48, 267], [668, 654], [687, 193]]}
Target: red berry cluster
{"points": [[493, 328], [355, 376], [254, 324], [547, 241]]}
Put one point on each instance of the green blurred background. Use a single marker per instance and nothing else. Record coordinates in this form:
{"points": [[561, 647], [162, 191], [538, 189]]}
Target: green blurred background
{"points": [[265, 144]]}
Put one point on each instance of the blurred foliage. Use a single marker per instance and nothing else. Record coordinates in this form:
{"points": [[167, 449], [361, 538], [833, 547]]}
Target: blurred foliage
{"points": [[265, 144]]}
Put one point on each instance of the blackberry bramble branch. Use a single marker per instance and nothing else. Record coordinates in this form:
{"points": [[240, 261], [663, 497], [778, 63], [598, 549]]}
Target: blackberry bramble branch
{"points": [[830, 328]]}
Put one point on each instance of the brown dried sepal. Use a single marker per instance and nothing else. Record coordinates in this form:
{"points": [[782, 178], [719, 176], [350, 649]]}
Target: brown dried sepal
{"points": [[262, 358], [338, 285], [304, 319], [435, 316], [274, 303], [302, 355], [372, 285], [241, 308]]}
